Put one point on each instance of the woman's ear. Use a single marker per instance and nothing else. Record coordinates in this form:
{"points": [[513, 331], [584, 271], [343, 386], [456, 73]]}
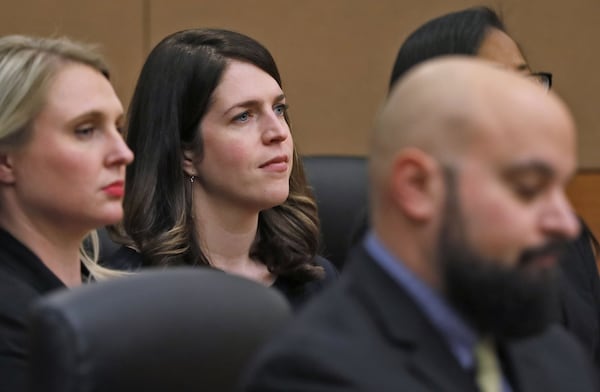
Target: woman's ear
{"points": [[413, 184], [188, 163], [7, 175]]}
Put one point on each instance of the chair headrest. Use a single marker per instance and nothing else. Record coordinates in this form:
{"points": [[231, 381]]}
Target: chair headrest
{"points": [[340, 186], [178, 329]]}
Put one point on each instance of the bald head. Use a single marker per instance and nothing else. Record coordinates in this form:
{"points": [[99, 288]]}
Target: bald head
{"points": [[445, 105], [462, 143]]}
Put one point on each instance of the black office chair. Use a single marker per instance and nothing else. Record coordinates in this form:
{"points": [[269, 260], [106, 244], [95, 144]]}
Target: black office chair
{"points": [[340, 186], [107, 245], [183, 329]]}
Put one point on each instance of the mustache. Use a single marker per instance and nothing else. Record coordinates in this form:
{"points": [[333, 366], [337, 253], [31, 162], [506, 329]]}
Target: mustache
{"points": [[556, 248]]}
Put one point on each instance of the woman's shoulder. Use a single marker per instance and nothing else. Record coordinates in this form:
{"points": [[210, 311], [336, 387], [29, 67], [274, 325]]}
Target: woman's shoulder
{"points": [[23, 271], [124, 259], [299, 293], [331, 272]]}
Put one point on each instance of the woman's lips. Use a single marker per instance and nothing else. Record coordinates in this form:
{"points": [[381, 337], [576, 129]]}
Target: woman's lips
{"points": [[115, 189], [278, 164]]}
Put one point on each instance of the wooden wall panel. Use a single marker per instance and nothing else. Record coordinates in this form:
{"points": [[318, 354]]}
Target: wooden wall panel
{"points": [[584, 193], [117, 26], [561, 36], [336, 55]]}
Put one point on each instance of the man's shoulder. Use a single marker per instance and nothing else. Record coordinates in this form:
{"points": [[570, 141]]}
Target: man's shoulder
{"points": [[328, 346], [554, 340], [355, 308], [552, 361], [323, 352]]}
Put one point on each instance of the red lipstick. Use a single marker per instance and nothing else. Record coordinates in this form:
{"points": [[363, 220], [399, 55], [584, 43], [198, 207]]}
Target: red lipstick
{"points": [[115, 189]]}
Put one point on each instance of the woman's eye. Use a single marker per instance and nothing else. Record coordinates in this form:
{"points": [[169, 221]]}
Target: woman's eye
{"points": [[85, 131], [281, 109], [243, 117]]}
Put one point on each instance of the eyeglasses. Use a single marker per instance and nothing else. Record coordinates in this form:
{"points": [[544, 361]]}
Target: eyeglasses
{"points": [[543, 78]]}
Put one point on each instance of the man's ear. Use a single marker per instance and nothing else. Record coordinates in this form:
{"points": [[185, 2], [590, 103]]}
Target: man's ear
{"points": [[188, 163], [7, 175], [414, 184]]}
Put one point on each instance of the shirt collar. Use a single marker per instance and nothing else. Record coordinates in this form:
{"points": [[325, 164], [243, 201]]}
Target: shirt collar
{"points": [[460, 337]]}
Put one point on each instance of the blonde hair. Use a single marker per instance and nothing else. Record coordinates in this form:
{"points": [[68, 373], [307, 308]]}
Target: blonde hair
{"points": [[27, 66]]}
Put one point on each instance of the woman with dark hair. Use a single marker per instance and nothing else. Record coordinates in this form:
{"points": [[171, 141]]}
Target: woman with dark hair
{"points": [[217, 180], [461, 32], [480, 32], [476, 31]]}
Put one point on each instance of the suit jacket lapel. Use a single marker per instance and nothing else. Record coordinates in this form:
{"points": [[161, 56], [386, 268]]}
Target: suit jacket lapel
{"points": [[404, 324]]}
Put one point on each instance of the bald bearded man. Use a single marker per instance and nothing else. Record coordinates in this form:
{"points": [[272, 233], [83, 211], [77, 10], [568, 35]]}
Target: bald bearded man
{"points": [[468, 168]]}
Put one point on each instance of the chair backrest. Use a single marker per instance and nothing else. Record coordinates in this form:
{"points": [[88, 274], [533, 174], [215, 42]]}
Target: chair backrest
{"points": [[340, 186], [183, 329], [107, 245]]}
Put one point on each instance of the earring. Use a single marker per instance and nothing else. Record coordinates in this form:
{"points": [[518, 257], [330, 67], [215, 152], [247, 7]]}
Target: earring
{"points": [[192, 178]]}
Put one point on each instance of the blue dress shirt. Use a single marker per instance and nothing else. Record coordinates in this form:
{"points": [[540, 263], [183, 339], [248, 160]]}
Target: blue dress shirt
{"points": [[460, 337]]}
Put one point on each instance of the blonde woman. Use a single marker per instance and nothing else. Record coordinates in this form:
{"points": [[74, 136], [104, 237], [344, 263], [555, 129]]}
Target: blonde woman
{"points": [[62, 173]]}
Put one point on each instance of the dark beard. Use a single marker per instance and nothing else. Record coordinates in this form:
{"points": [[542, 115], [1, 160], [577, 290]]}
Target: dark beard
{"points": [[506, 302]]}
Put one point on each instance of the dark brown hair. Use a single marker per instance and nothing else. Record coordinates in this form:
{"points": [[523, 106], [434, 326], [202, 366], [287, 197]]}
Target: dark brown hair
{"points": [[172, 95]]}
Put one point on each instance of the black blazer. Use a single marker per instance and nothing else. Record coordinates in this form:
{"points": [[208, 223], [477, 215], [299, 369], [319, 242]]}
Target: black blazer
{"points": [[366, 334], [296, 293], [580, 293], [23, 279]]}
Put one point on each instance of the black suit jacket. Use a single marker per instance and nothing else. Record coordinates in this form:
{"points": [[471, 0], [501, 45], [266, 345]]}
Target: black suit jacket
{"points": [[297, 293], [23, 279], [366, 334], [580, 294]]}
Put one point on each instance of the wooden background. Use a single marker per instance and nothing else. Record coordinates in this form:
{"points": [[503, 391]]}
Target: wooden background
{"points": [[335, 56]]}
